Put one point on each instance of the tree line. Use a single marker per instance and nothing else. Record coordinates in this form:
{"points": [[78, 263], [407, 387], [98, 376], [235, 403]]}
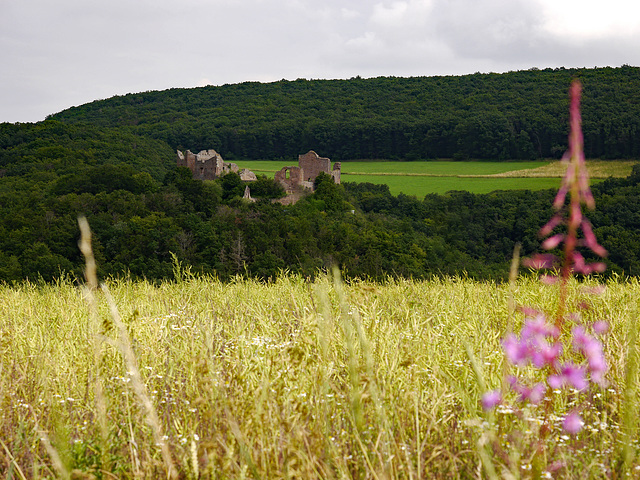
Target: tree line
{"points": [[143, 224]]}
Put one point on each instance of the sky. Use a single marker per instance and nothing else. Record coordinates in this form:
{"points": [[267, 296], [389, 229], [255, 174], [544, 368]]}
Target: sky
{"points": [[55, 54]]}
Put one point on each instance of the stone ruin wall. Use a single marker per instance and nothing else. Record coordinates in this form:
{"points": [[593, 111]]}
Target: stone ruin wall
{"points": [[310, 165], [291, 179], [209, 165]]}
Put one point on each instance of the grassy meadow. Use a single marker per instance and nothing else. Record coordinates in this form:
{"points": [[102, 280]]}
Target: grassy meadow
{"points": [[293, 379], [421, 178]]}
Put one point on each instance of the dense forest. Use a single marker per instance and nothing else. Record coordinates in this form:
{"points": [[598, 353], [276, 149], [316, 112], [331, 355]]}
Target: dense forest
{"points": [[114, 161], [517, 115]]}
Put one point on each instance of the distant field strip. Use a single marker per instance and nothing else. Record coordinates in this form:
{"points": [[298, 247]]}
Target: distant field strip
{"points": [[421, 178], [597, 169], [421, 185]]}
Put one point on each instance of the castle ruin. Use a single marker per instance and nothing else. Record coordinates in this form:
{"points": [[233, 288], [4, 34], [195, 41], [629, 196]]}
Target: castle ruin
{"points": [[295, 179], [209, 165]]}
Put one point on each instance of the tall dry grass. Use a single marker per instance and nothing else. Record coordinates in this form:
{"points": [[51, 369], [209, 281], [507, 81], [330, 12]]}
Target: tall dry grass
{"points": [[293, 379]]}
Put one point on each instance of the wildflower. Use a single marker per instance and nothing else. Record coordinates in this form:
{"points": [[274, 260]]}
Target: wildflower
{"points": [[491, 399], [552, 242], [516, 352], [538, 343], [538, 327], [533, 394], [547, 354], [572, 423], [550, 225], [590, 239], [533, 345], [601, 327], [570, 375], [540, 261]]}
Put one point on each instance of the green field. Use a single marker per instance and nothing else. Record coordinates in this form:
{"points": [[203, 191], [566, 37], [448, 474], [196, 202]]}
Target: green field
{"points": [[421, 178], [421, 185]]}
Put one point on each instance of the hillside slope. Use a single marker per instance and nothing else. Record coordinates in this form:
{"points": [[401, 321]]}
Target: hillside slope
{"points": [[516, 115]]}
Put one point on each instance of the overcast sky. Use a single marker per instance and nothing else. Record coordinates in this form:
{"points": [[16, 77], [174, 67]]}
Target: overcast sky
{"points": [[55, 54]]}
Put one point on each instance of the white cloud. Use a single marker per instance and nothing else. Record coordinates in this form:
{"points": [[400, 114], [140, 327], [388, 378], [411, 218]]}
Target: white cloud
{"points": [[367, 41], [390, 16], [401, 14], [348, 13], [591, 18]]}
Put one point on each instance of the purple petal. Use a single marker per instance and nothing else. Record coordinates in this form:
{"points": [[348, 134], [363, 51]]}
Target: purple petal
{"points": [[572, 423], [575, 376], [547, 355], [575, 215], [555, 381], [580, 337], [553, 242], [540, 260], [590, 239], [560, 196], [515, 351], [536, 394], [551, 224], [601, 327], [491, 399]]}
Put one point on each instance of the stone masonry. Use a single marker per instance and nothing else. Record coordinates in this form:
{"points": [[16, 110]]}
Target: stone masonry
{"points": [[208, 165], [295, 179]]}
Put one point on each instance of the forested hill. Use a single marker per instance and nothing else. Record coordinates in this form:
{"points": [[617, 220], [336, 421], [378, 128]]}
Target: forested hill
{"points": [[516, 115]]}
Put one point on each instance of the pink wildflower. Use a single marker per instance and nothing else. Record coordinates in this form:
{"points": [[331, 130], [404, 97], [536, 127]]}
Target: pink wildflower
{"points": [[601, 327], [562, 193], [572, 423], [533, 345], [533, 394], [491, 399], [540, 260], [516, 352], [551, 224], [570, 375], [547, 354], [590, 240], [552, 242], [539, 326]]}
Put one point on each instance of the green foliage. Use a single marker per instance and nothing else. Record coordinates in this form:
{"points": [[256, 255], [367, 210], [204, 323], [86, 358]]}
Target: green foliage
{"points": [[332, 195], [515, 115], [266, 188], [137, 233], [53, 146], [105, 178], [111, 162], [232, 186]]}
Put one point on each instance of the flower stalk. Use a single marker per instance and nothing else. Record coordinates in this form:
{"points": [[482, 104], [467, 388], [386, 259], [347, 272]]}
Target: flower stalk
{"points": [[561, 353]]}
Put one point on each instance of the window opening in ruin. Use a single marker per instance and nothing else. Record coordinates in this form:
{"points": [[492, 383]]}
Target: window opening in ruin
{"points": [[287, 174]]}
